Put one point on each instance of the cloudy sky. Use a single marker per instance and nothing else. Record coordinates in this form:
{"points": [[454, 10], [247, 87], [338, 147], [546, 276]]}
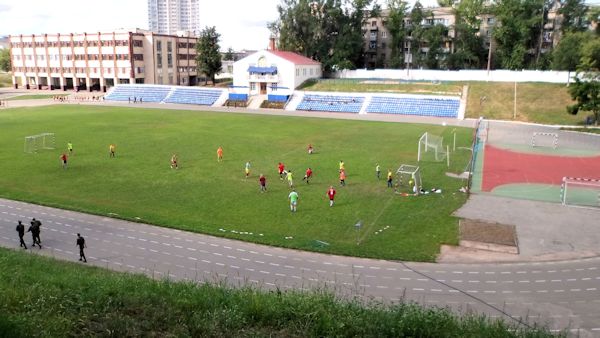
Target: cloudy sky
{"points": [[241, 23]]}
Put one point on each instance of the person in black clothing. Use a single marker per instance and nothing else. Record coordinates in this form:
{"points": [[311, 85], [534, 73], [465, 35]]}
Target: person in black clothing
{"points": [[21, 231], [35, 232], [81, 245], [39, 229]]}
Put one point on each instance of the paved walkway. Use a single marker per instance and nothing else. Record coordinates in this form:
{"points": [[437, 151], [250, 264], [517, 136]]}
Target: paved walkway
{"points": [[566, 294]]}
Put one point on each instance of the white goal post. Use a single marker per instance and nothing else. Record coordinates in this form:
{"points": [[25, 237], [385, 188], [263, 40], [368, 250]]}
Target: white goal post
{"points": [[434, 144], [544, 139], [580, 192], [407, 173], [42, 141]]}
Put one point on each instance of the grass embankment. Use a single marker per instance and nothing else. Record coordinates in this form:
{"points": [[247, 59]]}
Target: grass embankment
{"points": [[536, 102], [34, 97], [43, 297], [215, 198]]}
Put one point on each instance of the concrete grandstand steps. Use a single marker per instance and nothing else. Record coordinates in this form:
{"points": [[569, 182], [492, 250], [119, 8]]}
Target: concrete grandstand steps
{"points": [[256, 101], [365, 105], [171, 92], [297, 97], [221, 100]]}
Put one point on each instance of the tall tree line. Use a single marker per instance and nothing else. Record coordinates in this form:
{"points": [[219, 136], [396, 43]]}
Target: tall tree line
{"points": [[332, 32]]}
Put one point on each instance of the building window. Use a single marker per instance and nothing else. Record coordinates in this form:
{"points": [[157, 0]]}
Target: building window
{"points": [[297, 71], [491, 21], [170, 79], [384, 34], [373, 23], [169, 56], [159, 55], [137, 43], [303, 71]]}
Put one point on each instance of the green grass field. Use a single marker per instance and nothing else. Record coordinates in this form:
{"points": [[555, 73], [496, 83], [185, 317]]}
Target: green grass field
{"points": [[215, 198], [34, 97], [42, 297]]}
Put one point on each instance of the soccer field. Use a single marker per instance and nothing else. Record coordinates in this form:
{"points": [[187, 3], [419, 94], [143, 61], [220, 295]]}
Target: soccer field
{"points": [[215, 198]]}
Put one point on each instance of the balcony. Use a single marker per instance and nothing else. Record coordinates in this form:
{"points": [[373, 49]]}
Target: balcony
{"points": [[263, 78]]}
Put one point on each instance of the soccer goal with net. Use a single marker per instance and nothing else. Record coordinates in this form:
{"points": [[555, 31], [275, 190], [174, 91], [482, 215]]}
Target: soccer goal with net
{"points": [[431, 147], [543, 139], [580, 192], [34, 143], [409, 176]]}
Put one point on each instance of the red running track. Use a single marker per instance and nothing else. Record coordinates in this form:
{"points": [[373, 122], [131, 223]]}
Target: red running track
{"points": [[502, 166]]}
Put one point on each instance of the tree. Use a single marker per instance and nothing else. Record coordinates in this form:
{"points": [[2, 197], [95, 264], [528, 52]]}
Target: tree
{"points": [[5, 64], [469, 51], [517, 35], [208, 59], [574, 16], [567, 54], [396, 25], [329, 31], [229, 56], [586, 89]]}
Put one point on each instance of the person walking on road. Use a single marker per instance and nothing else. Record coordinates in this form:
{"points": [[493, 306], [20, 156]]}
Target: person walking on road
{"points": [[81, 245], [35, 232], [21, 231]]}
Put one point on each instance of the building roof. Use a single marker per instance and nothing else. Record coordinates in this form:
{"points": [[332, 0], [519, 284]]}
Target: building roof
{"points": [[294, 58]]}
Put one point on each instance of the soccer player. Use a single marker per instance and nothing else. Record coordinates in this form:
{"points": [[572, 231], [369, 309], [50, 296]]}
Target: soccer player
{"points": [[111, 149], [263, 183], [342, 178], [342, 166], [219, 154], [63, 159], [378, 171], [389, 179], [290, 179], [293, 197], [81, 244], [281, 169], [308, 175], [174, 164], [310, 149], [331, 195], [247, 169], [70, 147]]}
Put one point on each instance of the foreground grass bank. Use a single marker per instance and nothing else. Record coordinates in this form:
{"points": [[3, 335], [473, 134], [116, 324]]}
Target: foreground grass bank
{"points": [[43, 297], [212, 197]]}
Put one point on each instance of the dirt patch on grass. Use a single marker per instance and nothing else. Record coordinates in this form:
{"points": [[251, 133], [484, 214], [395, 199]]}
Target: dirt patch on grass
{"points": [[485, 232]]}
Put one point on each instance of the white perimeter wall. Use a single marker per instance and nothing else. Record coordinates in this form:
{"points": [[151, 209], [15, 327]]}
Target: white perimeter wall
{"points": [[459, 75]]}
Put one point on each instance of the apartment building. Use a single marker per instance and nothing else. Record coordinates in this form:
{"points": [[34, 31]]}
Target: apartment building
{"points": [[378, 39], [96, 61], [173, 16]]}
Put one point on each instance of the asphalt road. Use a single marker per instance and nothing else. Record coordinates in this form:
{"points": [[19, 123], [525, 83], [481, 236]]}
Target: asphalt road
{"points": [[563, 295]]}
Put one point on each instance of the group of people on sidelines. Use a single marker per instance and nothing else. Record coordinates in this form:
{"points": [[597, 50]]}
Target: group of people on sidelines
{"points": [[35, 228]]}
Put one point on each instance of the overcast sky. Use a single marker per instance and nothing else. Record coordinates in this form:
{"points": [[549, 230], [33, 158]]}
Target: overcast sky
{"points": [[241, 23]]}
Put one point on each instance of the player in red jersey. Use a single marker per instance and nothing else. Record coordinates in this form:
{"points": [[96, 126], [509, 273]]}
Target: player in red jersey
{"points": [[281, 169], [308, 175], [331, 195]]}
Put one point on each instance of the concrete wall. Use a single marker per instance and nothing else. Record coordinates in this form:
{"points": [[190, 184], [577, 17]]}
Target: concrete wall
{"points": [[459, 75]]}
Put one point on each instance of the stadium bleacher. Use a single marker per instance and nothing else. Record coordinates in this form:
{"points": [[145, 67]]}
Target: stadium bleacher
{"points": [[192, 95], [331, 103], [145, 92], [438, 107]]}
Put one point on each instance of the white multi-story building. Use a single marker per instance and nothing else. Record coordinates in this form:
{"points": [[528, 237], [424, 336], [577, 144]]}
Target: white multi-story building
{"points": [[270, 71], [174, 16], [95, 61]]}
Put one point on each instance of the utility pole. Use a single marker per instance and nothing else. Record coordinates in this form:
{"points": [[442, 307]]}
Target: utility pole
{"points": [[489, 63], [537, 58]]}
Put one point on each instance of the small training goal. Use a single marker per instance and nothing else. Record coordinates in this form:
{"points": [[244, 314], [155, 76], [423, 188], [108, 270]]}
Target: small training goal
{"points": [[580, 192], [543, 139], [431, 147], [42, 141], [409, 176]]}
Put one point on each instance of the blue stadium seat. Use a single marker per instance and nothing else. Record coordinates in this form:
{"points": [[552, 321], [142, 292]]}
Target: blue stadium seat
{"points": [[146, 93], [331, 103], [426, 106], [193, 95]]}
